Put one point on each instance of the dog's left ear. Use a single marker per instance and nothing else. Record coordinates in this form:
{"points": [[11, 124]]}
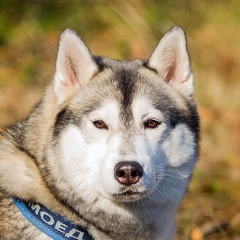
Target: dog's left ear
{"points": [[171, 61], [74, 66]]}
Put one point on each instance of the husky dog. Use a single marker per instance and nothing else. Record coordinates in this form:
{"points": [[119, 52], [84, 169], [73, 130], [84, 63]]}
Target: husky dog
{"points": [[110, 147]]}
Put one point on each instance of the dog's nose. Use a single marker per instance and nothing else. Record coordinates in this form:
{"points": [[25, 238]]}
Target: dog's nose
{"points": [[128, 173]]}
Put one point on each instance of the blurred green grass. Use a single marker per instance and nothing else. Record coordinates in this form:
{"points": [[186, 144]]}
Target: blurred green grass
{"points": [[29, 32]]}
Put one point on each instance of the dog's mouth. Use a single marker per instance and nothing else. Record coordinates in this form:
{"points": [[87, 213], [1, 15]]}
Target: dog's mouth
{"points": [[129, 195]]}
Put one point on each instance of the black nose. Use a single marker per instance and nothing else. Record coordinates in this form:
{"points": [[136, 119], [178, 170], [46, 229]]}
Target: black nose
{"points": [[128, 173]]}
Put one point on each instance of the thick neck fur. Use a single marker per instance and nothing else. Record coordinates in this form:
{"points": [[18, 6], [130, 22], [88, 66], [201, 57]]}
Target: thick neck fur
{"points": [[19, 174]]}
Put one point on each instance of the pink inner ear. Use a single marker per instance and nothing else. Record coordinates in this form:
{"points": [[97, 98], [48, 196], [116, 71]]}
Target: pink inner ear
{"points": [[170, 73], [72, 72]]}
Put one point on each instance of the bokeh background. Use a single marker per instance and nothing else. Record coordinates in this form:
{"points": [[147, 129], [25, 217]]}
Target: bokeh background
{"points": [[29, 32]]}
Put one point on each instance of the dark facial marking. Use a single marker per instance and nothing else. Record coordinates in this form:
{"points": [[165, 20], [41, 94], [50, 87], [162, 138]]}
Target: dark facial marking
{"points": [[126, 85], [63, 119]]}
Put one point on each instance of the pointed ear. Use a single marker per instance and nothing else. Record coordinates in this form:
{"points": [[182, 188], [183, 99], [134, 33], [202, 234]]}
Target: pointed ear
{"points": [[74, 66], [171, 61]]}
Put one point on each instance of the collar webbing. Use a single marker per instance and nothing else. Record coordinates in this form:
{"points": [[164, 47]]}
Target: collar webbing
{"points": [[52, 224]]}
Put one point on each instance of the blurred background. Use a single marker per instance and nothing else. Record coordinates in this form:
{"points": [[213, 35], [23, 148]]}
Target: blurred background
{"points": [[29, 32]]}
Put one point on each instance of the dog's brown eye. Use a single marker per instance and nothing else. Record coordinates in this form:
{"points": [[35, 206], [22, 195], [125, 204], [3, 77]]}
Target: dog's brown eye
{"points": [[100, 124], [151, 123]]}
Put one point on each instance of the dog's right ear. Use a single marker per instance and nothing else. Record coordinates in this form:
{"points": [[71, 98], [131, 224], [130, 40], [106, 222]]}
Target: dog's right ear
{"points": [[74, 66]]}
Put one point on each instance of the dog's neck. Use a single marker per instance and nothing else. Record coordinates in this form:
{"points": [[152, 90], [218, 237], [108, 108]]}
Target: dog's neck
{"points": [[50, 223]]}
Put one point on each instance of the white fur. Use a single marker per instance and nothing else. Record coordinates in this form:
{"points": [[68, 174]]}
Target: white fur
{"points": [[85, 150], [89, 155], [180, 146]]}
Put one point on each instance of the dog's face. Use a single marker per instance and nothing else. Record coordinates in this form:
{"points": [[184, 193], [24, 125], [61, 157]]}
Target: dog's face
{"points": [[131, 131]]}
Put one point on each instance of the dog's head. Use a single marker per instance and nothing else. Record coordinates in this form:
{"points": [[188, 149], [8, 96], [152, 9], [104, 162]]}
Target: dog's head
{"points": [[125, 129]]}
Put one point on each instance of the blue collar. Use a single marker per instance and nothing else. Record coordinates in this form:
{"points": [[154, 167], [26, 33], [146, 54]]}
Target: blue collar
{"points": [[51, 223]]}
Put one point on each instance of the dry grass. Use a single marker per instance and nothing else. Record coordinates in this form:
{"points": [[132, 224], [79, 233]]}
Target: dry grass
{"points": [[130, 29]]}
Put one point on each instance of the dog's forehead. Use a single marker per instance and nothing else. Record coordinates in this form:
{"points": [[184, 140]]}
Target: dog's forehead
{"points": [[123, 82], [133, 80], [127, 79]]}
